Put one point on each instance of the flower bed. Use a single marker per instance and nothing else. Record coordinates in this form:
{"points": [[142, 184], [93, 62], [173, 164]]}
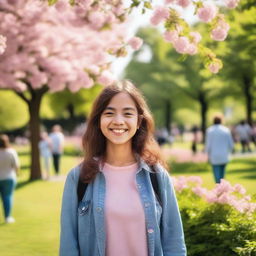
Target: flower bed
{"points": [[217, 222]]}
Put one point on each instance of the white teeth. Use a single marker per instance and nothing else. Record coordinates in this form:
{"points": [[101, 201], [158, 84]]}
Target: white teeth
{"points": [[118, 130]]}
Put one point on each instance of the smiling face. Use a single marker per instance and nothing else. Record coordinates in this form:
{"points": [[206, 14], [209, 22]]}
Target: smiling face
{"points": [[119, 120]]}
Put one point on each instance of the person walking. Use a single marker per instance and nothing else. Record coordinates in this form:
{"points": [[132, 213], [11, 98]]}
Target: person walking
{"points": [[243, 131], [57, 144], [219, 144], [9, 166], [128, 206], [45, 152]]}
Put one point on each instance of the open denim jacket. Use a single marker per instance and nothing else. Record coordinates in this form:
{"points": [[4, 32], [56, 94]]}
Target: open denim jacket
{"points": [[83, 228]]}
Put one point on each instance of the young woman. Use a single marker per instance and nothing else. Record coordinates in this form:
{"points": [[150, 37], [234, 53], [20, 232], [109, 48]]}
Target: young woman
{"points": [[9, 166], [120, 214]]}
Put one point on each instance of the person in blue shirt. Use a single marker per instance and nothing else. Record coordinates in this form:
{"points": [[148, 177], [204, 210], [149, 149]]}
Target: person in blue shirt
{"points": [[120, 135], [219, 145]]}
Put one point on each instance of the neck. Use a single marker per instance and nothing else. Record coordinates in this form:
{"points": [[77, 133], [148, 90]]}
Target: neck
{"points": [[119, 155]]}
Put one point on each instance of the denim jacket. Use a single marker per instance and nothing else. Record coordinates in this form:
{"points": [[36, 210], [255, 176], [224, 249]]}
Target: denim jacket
{"points": [[83, 228]]}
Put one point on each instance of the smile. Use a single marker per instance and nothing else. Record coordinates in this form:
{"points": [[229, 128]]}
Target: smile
{"points": [[118, 131]]}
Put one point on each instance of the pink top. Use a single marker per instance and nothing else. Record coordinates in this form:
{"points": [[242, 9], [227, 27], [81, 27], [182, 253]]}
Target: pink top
{"points": [[124, 214]]}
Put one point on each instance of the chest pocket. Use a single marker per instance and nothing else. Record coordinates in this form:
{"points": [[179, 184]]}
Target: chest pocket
{"points": [[84, 217]]}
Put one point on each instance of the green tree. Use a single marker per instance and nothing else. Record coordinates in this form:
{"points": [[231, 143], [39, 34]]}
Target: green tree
{"points": [[239, 56]]}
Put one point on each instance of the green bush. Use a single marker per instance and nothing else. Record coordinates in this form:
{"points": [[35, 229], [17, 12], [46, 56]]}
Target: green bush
{"points": [[213, 229]]}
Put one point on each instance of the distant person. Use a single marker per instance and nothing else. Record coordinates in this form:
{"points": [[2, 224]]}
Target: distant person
{"points": [[243, 131], [45, 152], [9, 166], [253, 134], [219, 144], [57, 144], [195, 131]]}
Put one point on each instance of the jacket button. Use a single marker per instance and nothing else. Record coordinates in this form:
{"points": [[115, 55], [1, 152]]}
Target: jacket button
{"points": [[150, 230], [98, 209], [147, 204]]}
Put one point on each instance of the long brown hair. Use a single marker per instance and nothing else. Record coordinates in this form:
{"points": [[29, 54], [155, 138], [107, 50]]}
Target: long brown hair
{"points": [[94, 142]]}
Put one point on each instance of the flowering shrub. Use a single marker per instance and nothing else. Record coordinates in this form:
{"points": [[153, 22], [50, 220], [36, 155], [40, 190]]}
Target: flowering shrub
{"points": [[217, 222]]}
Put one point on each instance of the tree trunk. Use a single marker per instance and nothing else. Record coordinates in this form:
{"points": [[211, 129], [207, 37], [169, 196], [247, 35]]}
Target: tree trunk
{"points": [[34, 102], [34, 128], [248, 98], [204, 109]]}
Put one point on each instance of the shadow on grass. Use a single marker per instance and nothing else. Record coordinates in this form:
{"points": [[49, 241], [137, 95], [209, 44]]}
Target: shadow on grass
{"points": [[25, 167], [189, 167], [24, 183], [24, 153]]}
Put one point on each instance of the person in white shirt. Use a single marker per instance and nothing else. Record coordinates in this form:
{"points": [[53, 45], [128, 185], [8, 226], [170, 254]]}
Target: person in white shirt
{"points": [[243, 131], [57, 143], [219, 144], [9, 166], [45, 152]]}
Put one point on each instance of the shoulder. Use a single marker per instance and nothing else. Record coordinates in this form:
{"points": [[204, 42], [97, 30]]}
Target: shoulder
{"points": [[162, 173], [11, 151], [73, 174]]}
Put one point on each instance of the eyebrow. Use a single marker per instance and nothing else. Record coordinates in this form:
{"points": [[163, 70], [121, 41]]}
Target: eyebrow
{"points": [[125, 109]]}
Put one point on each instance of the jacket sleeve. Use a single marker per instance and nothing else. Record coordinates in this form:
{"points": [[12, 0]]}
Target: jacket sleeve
{"points": [[69, 228], [172, 236]]}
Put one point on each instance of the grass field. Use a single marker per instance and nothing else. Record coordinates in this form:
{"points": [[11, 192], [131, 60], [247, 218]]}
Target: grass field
{"points": [[37, 204]]}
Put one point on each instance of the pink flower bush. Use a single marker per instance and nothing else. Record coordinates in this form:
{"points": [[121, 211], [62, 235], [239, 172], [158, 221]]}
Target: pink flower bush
{"points": [[207, 12], [160, 14], [223, 193], [2, 44], [196, 37], [135, 43], [181, 44]]}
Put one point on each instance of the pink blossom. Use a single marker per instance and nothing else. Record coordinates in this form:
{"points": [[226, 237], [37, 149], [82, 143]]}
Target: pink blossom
{"points": [[184, 3], [196, 37], [135, 43], [214, 67], [211, 197], [61, 6], [207, 12], [240, 189], [160, 14], [181, 44], [232, 3], [220, 32], [171, 36], [199, 191], [106, 78], [195, 179], [97, 19], [191, 49], [169, 1], [224, 198], [2, 44]]}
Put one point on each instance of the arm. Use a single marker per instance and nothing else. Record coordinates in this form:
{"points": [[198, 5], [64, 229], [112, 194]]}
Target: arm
{"points": [[69, 229], [15, 161], [172, 235]]}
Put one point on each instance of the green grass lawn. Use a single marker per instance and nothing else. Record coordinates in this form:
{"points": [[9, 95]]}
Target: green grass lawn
{"points": [[37, 204]]}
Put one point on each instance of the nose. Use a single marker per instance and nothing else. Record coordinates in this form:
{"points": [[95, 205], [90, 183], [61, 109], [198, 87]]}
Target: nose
{"points": [[118, 120]]}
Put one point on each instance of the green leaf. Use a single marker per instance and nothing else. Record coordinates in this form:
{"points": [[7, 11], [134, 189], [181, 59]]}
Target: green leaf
{"points": [[72, 2], [52, 2]]}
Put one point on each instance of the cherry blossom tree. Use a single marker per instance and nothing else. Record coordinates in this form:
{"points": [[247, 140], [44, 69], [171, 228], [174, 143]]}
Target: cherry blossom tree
{"points": [[49, 49], [169, 14]]}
